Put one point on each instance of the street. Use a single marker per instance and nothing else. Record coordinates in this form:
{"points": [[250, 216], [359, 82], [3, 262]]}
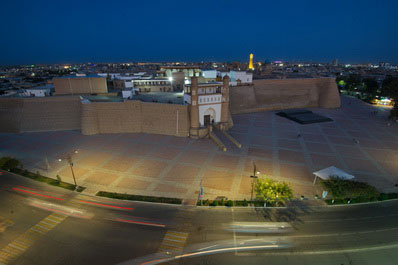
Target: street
{"points": [[91, 230]]}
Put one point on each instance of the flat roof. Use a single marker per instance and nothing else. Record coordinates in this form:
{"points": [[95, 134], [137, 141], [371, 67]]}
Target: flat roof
{"points": [[83, 76]]}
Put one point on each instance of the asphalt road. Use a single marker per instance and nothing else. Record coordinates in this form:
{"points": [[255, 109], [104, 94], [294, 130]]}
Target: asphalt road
{"points": [[103, 231]]}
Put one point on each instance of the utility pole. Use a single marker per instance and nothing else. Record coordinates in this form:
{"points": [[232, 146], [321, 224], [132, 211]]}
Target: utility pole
{"points": [[254, 176]]}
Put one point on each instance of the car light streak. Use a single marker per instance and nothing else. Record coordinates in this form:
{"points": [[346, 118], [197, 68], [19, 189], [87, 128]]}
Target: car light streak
{"points": [[106, 205], [139, 222], [208, 252], [61, 209], [49, 192], [38, 194]]}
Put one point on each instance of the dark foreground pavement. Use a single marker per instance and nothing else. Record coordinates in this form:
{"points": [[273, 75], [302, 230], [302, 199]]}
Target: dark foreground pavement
{"points": [[101, 231]]}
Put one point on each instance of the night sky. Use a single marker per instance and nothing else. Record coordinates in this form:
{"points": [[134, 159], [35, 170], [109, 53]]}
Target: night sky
{"points": [[215, 30]]}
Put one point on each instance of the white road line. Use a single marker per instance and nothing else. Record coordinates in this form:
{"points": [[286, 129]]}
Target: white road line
{"points": [[345, 234], [16, 247], [42, 227], [325, 252], [36, 230]]}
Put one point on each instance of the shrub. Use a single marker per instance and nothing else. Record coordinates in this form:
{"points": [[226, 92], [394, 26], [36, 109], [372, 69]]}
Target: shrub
{"points": [[271, 190], [214, 203], [229, 203], [9, 163], [341, 189], [131, 197]]}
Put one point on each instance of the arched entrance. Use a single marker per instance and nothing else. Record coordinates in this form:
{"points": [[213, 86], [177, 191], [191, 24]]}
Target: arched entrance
{"points": [[209, 116]]}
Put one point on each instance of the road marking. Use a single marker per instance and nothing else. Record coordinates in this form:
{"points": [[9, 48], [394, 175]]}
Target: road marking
{"points": [[15, 248], [323, 252], [345, 234], [174, 241]]}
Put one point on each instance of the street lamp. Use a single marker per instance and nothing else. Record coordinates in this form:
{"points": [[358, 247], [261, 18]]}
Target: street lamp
{"points": [[70, 162], [253, 177]]}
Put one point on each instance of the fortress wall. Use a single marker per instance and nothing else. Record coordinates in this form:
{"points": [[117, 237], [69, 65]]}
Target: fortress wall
{"points": [[162, 119], [328, 96], [270, 94], [111, 117], [39, 114], [89, 119], [50, 114], [134, 116], [10, 115]]}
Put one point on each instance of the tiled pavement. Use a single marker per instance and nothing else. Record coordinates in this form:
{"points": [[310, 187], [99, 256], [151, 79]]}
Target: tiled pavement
{"points": [[356, 141]]}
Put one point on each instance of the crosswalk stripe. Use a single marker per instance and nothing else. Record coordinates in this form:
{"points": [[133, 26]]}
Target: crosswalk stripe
{"points": [[176, 239], [58, 216], [178, 234], [37, 231], [25, 239], [24, 243], [42, 228], [10, 250], [21, 246], [41, 223], [51, 224], [52, 219], [16, 247], [173, 243]]}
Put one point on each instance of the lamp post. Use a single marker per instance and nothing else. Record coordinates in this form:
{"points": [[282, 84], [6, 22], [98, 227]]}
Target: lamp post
{"points": [[70, 162], [253, 177]]}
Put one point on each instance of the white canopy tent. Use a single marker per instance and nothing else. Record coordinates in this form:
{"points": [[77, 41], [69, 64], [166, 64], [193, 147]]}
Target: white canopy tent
{"points": [[326, 173]]}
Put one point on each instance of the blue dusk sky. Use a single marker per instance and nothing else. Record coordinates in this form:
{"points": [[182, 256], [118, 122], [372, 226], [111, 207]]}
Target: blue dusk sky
{"points": [[211, 30]]}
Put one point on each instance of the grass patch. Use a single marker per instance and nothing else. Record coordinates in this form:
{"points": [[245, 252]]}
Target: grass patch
{"points": [[240, 203], [381, 197], [14, 166], [130, 197], [341, 189], [50, 181]]}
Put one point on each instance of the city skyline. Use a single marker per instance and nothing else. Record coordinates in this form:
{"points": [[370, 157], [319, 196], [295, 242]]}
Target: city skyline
{"points": [[47, 32]]}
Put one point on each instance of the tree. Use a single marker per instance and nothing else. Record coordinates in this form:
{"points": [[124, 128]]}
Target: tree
{"points": [[272, 191], [370, 86], [9, 163], [390, 89], [353, 82]]}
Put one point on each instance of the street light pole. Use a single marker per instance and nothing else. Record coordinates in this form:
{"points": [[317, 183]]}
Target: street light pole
{"points": [[70, 162], [253, 177], [71, 168]]}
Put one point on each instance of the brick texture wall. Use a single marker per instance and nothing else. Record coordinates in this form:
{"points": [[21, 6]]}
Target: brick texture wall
{"points": [[39, 114], [273, 94], [134, 116]]}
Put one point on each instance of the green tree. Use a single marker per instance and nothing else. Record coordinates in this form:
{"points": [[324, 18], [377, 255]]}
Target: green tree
{"points": [[271, 190], [9, 163], [390, 89]]}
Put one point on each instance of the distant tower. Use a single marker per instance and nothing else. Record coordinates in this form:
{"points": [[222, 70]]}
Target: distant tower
{"points": [[251, 62]]}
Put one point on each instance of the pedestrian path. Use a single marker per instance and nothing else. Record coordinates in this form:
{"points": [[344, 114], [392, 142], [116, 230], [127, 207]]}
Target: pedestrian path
{"points": [[14, 249]]}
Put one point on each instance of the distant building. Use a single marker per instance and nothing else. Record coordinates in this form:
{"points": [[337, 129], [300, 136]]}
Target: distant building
{"points": [[335, 62], [235, 77], [80, 84]]}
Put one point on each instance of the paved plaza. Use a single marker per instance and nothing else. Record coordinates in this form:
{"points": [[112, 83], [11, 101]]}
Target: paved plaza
{"points": [[357, 141]]}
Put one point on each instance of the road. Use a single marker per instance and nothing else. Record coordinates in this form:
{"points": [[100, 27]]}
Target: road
{"points": [[49, 225]]}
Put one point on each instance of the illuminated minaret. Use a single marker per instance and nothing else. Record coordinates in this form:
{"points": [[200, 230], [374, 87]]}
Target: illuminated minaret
{"points": [[251, 62]]}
